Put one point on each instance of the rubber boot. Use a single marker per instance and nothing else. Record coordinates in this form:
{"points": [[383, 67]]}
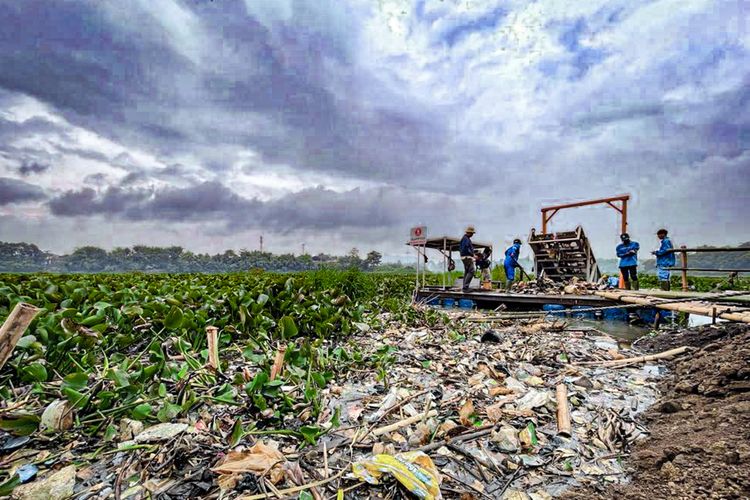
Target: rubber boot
{"points": [[635, 285], [664, 285], [508, 284], [627, 285]]}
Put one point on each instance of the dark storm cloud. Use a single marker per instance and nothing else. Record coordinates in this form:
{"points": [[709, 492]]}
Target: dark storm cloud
{"points": [[17, 191], [31, 167], [316, 208], [87, 202], [120, 81]]}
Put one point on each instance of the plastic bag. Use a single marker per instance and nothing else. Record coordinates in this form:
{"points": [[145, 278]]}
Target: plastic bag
{"points": [[413, 469]]}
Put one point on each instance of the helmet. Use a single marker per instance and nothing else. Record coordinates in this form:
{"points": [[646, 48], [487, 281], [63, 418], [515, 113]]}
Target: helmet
{"points": [[624, 236], [516, 241]]}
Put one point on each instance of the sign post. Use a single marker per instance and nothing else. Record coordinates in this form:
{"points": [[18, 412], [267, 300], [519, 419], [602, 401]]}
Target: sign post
{"points": [[418, 238]]}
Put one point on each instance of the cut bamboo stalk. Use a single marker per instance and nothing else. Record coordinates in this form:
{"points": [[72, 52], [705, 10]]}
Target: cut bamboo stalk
{"points": [[639, 359], [212, 337], [403, 423], [564, 427], [13, 328], [278, 362]]}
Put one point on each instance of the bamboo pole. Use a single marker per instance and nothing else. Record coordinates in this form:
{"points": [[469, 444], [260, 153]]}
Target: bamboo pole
{"points": [[212, 337], [638, 359], [564, 427], [403, 423], [731, 313], [13, 328]]}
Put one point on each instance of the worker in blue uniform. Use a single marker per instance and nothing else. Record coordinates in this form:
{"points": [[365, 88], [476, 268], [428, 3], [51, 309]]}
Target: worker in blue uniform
{"points": [[466, 250], [511, 262], [665, 259], [627, 251]]}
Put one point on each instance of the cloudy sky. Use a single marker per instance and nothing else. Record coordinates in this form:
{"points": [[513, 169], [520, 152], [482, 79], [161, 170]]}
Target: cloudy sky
{"points": [[342, 123]]}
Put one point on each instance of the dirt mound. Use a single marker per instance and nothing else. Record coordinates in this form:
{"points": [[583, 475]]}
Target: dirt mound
{"points": [[700, 430], [694, 337]]}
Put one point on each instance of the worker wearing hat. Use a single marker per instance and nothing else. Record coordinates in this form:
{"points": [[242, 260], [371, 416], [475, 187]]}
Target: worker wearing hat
{"points": [[664, 259], [466, 249], [627, 251], [511, 262]]}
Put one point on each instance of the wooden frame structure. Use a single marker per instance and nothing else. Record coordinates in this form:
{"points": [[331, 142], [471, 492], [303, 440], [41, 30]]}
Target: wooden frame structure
{"points": [[622, 209]]}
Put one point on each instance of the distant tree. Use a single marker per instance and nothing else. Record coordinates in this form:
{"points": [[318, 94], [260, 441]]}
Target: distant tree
{"points": [[372, 260]]}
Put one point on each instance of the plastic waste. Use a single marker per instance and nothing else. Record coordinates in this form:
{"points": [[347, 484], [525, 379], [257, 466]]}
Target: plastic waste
{"points": [[415, 470]]}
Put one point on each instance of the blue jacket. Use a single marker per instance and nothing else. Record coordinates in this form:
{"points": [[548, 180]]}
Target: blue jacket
{"points": [[664, 258], [628, 260], [512, 254], [465, 248]]}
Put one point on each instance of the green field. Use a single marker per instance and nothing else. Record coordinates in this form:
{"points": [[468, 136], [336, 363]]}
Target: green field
{"points": [[134, 345]]}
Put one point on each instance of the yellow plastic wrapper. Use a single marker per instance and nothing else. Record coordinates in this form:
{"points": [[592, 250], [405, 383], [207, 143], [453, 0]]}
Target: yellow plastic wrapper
{"points": [[413, 469]]}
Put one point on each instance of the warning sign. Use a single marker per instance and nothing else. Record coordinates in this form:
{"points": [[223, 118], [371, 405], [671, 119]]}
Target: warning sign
{"points": [[418, 235]]}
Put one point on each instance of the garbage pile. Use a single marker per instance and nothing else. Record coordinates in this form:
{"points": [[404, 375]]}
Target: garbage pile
{"points": [[488, 413], [452, 410], [547, 286]]}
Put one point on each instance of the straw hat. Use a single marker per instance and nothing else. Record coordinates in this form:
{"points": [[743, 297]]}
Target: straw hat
{"points": [[470, 229]]}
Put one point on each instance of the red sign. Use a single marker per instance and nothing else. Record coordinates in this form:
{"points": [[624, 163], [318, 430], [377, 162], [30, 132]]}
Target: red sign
{"points": [[418, 235]]}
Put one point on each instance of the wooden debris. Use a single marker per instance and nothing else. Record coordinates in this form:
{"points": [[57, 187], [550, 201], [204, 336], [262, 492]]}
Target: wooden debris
{"points": [[212, 337], [13, 328], [563, 411], [403, 423], [639, 359], [278, 363]]}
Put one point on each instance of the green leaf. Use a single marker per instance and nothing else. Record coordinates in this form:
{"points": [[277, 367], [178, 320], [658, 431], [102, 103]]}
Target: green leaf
{"points": [[132, 310], [25, 341], [257, 383], [119, 377], [142, 411], [262, 299], [75, 381], [110, 433], [20, 425], [7, 487], [174, 318], [305, 495], [35, 372], [76, 398], [237, 433], [310, 433], [168, 412], [288, 327], [319, 379], [253, 357]]}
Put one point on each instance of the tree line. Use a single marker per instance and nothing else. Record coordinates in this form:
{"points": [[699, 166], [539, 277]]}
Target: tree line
{"points": [[27, 257]]}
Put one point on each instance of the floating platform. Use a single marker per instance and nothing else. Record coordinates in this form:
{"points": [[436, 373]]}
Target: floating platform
{"points": [[691, 304], [491, 299]]}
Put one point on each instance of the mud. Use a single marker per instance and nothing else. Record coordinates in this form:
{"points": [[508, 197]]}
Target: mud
{"points": [[700, 429]]}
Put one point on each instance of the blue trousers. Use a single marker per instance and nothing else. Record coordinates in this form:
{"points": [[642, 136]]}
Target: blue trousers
{"points": [[663, 273], [510, 272]]}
